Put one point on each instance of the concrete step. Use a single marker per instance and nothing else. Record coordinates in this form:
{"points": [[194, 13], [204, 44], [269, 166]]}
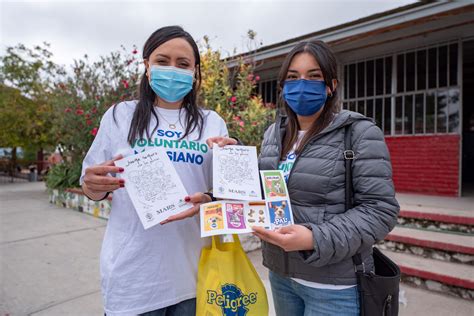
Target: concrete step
{"points": [[455, 243], [454, 278], [414, 300], [437, 219], [450, 216], [437, 213], [444, 213]]}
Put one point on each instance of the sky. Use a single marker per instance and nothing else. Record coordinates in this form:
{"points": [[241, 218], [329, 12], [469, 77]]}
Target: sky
{"points": [[95, 28]]}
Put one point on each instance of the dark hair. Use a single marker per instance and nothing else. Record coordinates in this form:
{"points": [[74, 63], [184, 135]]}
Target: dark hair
{"points": [[145, 107], [328, 64]]}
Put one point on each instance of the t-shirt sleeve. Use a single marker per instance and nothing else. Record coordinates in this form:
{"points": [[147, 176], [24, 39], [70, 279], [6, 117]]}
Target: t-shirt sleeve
{"points": [[223, 128], [222, 131], [100, 150]]}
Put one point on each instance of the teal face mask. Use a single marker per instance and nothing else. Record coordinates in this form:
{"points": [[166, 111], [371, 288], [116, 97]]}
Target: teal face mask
{"points": [[170, 83]]}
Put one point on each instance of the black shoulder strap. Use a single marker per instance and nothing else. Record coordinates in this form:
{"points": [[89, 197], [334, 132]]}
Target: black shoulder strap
{"points": [[349, 155]]}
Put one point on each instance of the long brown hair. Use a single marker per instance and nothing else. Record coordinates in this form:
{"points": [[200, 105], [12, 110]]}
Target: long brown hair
{"points": [[328, 64], [145, 108]]}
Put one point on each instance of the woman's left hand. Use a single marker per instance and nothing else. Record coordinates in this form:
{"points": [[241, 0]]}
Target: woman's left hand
{"points": [[290, 238], [197, 199]]}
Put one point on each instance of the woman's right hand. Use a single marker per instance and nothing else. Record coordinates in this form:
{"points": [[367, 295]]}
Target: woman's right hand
{"points": [[97, 182], [221, 141]]}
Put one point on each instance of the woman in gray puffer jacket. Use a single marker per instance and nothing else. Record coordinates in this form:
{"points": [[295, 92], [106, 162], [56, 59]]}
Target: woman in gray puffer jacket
{"points": [[311, 268]]}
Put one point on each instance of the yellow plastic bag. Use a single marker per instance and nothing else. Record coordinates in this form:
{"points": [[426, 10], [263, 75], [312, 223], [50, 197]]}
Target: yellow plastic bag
{"points": [[228, 284]]}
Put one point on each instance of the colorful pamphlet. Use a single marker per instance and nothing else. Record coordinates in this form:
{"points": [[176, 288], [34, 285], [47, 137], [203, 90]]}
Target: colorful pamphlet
{"points": [[232, 217], [277, 199], [236, 177]]}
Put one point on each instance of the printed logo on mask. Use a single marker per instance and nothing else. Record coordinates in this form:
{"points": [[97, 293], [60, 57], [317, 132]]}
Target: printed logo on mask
{"points": [[232, 301]]}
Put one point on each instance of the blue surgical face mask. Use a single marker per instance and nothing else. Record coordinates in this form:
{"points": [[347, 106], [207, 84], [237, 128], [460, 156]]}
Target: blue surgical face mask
{"points": [[170, 83], [305, 97]]}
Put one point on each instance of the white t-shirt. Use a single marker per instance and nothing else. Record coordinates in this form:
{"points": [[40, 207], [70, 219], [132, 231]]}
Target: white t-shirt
{"points": [[144, 270], [285, 166]]}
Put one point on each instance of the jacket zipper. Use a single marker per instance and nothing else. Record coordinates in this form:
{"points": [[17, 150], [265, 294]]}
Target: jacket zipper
{"points": [[387, 306]]}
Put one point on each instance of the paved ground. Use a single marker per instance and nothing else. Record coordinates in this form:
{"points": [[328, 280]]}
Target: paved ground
{"points": [[48, 255], [6, 179], [49, 261]]}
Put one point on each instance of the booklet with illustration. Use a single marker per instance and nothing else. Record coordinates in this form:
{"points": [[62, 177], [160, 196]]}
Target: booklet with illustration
{"points": [[235, 173], [154, 186]]}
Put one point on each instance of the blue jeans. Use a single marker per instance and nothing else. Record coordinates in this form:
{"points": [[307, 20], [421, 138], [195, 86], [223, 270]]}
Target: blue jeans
{"points": [[295, 299], [184, 308]]}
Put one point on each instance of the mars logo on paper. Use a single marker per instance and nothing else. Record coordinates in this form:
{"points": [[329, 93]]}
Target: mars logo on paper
{"points": [[232, 301]]}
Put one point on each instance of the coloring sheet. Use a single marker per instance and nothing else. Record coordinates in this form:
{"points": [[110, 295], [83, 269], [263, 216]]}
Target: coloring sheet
{"points": [[154, 186], [232, 217], [235, 173]]}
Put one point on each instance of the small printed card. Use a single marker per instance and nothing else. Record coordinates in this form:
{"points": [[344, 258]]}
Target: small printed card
{"points": [[280, 213], [257, 215], [232, 217], [235, 173], [274, 184], [276, 198], [154, 186]]}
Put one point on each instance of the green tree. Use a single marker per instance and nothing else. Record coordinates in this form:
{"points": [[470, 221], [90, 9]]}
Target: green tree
{"points": [[32, 72], [231, 93], [14, 109], [63, 107], [80, 99]]}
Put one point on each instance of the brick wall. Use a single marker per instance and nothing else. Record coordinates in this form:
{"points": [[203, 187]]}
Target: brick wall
{"points": [[425, 164]]}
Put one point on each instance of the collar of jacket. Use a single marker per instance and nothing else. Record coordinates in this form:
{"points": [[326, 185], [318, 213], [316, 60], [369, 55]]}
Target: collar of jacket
{"points": [[341, 119]]}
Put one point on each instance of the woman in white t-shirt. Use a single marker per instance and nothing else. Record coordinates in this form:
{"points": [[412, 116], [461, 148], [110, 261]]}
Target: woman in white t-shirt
{"points": [[154, 271]]}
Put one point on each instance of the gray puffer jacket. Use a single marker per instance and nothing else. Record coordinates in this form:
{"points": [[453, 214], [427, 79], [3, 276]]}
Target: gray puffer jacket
{"points": [[316, 187]]}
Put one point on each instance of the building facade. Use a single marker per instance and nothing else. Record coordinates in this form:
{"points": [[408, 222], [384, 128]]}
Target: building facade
{"points": [[411, 70]]}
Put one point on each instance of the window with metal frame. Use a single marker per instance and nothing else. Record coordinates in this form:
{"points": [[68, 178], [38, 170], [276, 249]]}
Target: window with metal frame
{"points": [[408, 93], [268, 91]]}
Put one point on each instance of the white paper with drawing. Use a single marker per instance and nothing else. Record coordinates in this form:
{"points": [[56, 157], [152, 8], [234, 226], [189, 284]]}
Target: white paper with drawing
{"points": [[235, 173], [154, 186]]}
